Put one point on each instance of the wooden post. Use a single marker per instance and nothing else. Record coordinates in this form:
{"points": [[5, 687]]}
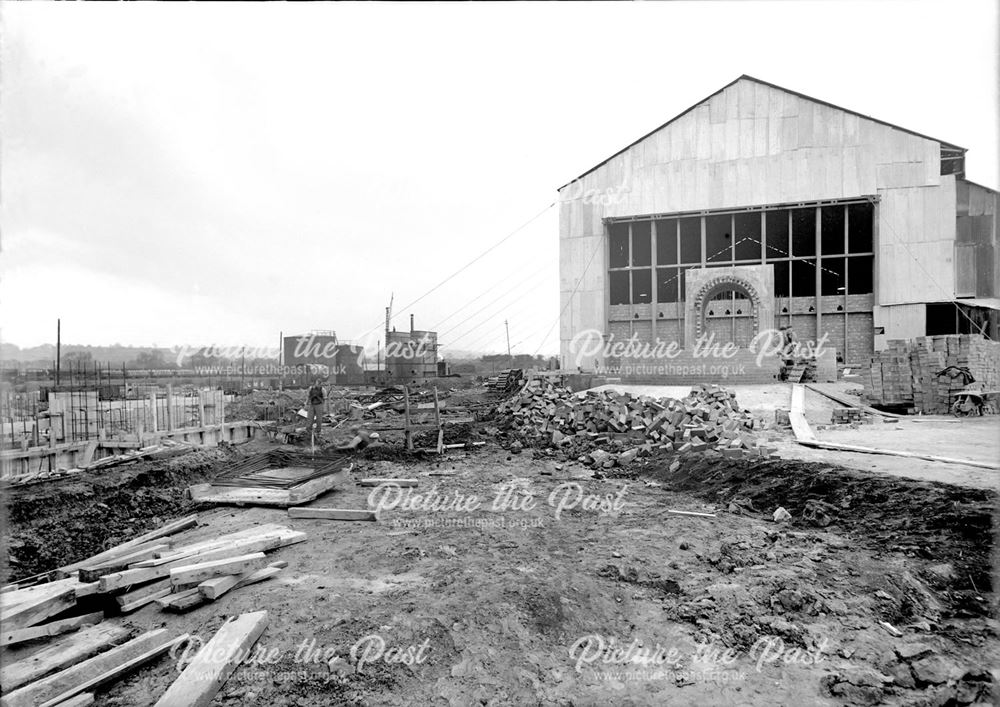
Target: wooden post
{"points": [[221, 412], [437, 421], [407, 434], [201, 408], [170, 407], [155, 423]]}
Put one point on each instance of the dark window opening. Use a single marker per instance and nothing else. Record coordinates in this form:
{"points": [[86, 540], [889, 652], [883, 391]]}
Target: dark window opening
{"points": [[690, 240], [832, 277], [642, 286], [641, 244], [620, 287], [747, 236], [861, 275], [781, 279], [952, 161], [618, 237], [667, 284], [860, 223], [941, 319], [803, 278], [804, 232], [718, 238], [666, 242], [832, 230], [777, 234]]}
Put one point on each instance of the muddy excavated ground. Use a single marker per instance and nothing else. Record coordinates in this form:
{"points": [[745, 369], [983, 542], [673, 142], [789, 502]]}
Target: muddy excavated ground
{"points": [[563, 589]]}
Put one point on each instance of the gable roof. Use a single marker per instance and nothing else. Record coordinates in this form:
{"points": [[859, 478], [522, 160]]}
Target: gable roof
{"points": [[746, 77]]}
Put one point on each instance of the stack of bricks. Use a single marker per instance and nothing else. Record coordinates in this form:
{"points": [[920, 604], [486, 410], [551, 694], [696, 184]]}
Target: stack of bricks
{"points": [[905, 373], [545, 415], [847, 416]]}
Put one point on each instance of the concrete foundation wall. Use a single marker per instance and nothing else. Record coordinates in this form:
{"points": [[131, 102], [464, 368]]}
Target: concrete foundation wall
{"points": [[75, 454]]}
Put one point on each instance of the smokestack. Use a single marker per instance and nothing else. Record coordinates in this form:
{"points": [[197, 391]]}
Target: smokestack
{"points": [[387, 323], [411, 324]]}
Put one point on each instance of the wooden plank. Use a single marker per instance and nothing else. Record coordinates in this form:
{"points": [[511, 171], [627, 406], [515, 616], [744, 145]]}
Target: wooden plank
{"points": [[128, 578], [92, 573], [182, 601], [397, 482], [141, 575], [175, 597], [62, 654], [19, 596], [212, 543], [142, 601], [11, 637], [912, 455], [208, 671], [691, 513], [246, 546], [34, 611], [282, 498], [331, 513], [81, 700], [214, 588], [145, 591], [92, 672], [169, 529], [189, 574], [800, 426], [847, 402], [85, 590]]}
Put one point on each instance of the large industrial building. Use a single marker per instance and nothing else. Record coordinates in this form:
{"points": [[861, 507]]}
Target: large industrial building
{"points": [[760, 207], [321, 353], [410, 356]]}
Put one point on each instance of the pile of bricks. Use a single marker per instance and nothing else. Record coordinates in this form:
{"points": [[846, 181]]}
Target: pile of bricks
{"points": [[905, 373], [847, 416], [604, 428]]}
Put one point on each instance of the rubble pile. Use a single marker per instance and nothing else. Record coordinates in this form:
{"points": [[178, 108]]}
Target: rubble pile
{"points": [[593, 428]]}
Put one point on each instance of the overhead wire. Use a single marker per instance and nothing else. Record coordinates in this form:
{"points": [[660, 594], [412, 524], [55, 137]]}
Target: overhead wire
{"points": [[462, 269]]}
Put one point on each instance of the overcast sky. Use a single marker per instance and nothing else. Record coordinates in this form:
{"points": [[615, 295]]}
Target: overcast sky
{"points": [[216, 174]]}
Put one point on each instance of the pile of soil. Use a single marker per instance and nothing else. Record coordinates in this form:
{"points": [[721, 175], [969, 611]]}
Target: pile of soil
{"points": [[60, 522], [951, 525]]}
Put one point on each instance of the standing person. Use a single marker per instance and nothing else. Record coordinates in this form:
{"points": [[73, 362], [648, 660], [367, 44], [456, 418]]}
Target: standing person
{"points": [[791, 343], [316, 404]]}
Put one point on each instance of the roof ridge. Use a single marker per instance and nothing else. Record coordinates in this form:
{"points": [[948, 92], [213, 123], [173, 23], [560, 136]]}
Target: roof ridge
{"points": [[748, 77]]}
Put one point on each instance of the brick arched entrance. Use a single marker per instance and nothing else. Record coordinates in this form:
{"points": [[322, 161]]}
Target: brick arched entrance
{"points": [[750, 284]]}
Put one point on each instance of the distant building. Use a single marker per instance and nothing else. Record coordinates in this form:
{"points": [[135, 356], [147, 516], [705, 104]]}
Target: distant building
{"points": [[320, 352], [410, 356]]}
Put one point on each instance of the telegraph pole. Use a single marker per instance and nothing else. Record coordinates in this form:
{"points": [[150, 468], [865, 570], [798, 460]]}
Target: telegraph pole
{"points": [[509, 357], [58, 348]]}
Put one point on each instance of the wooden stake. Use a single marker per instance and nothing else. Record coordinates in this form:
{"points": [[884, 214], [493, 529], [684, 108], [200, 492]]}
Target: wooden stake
{"points": [[408, 435]]}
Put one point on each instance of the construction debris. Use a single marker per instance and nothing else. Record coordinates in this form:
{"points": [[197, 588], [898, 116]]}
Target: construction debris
{"points": [[505, 381], [92, 672], [586, 426], [275, 478]]}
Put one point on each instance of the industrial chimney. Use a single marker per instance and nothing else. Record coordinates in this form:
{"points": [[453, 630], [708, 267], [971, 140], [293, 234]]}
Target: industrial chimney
{"points": [[411, 324]]}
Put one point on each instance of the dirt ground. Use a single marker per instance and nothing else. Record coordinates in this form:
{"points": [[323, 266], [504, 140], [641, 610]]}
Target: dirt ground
{"points": [[612, 600], [977, 439]]}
